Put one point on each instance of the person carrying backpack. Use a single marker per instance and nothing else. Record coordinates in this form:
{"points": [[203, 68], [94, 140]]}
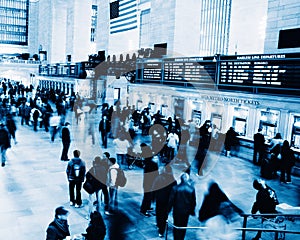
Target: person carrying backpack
{"points": [[76, 172]]}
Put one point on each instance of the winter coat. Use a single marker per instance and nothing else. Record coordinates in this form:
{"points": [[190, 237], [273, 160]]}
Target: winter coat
{"points": [[73, 174]]}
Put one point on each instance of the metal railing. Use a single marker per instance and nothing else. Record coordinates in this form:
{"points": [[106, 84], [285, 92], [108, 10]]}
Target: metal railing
{"points": [[244, 228]]}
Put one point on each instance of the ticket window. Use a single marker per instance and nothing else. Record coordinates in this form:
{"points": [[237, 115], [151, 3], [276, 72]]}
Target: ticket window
{"points": [[216, 119], [296, 133], [269, 123], [117, 94], [196, 116], [164, 110], [239, 122]]}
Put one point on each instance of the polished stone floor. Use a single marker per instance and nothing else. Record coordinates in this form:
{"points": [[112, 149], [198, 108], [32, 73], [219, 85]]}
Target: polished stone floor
{"points": [[33, 183]]}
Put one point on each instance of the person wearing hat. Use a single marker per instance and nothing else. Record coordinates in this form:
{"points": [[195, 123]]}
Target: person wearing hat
{"points": [[58, 229], [66, 141], [4, 142]]}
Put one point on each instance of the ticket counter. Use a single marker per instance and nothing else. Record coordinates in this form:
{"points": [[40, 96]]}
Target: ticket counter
{"points": [[269, 122]]}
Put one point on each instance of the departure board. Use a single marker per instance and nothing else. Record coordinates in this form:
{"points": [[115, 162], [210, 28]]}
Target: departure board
{"points": [[152, 71], [278, 71], [190, 70]]}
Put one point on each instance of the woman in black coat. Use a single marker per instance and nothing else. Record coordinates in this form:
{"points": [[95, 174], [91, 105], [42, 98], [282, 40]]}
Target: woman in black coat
{"points": [[287, 161], [230, 140], [96, 229]]}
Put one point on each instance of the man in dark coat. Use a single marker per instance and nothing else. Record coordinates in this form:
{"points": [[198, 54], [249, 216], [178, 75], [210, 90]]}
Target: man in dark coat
{"points": [[150, 173], [264, 203], [104, 129], [75, 172], [259, 147], [162, 187], [230, 140], [58, 229], [4, 142], [66, 141], [183, 202]]}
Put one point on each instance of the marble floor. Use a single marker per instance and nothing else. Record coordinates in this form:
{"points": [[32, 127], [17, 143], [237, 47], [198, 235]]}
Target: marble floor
{"points": [[33, 183]]}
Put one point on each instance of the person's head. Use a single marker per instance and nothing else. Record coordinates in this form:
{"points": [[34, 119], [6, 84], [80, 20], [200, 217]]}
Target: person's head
{"points": [[76, 153], [259, 130], [184, 178], [112, 160], [61, 213], [257, 184], [285, 144], [278, 136], [67, 124], [97, 161], [106, 155]]}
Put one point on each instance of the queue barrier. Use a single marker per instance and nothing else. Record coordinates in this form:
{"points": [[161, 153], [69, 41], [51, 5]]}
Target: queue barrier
{"points": [[244, 229]]}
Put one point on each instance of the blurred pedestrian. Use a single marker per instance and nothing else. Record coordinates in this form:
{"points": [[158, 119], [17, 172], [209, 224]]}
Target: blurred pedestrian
{"points": [[4, 142], [150, 173], [58, 229], [183, 202], [66, 141], [11, 127], [162, 187], [113, 188]]}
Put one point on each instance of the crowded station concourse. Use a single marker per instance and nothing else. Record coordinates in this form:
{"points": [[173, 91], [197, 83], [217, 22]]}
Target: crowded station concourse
{"points": [[36, 177]]}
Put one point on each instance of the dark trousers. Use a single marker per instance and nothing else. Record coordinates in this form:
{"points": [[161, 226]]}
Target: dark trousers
{"points": [[161, 211], [285, 171], [146, 203], [113, 199], [106, 196], [66, 146], [260, 156], [104, 139], [72, 186], [180, 220]]}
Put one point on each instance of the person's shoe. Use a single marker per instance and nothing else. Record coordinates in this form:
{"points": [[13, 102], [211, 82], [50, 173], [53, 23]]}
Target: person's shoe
{"points": [[78, 206], [145, 214], [150, 209], [71, 204], [160, 235], [288, 182], [3, 164]]}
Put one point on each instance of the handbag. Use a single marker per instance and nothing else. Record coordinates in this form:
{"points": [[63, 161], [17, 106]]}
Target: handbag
{"points": [[88, 187]]}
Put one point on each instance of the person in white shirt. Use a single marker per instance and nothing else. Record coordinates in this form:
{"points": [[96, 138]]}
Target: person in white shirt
{"points": [[113, 188], [121, 148]]}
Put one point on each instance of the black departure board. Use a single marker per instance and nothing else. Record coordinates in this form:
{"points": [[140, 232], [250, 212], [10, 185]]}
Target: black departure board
{"points": [[179, 71], [190, 70], [278, 71], [152, 71]]}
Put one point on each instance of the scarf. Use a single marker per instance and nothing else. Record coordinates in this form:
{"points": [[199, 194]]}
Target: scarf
{"points": [[62, 226]]}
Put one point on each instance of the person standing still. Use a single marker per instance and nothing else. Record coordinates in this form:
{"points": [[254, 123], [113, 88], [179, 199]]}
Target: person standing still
{"points": [[259, 147], [113, 188], [75, 172], [66, 141], [183, 202], [104, 129]]}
